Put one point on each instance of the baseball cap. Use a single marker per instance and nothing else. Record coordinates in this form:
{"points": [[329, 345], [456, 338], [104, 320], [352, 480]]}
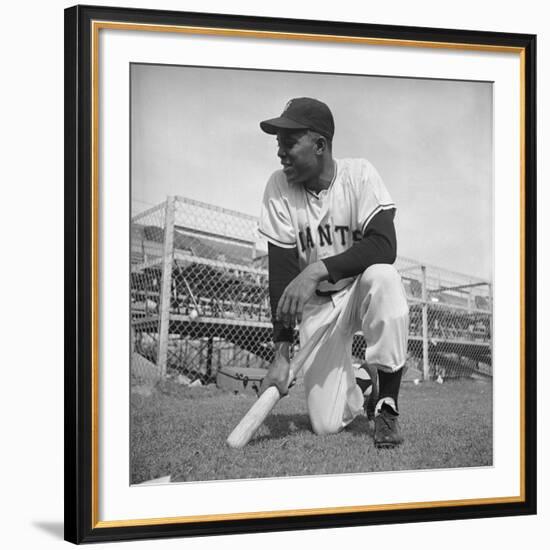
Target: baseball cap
{"points": [[302, 113]]}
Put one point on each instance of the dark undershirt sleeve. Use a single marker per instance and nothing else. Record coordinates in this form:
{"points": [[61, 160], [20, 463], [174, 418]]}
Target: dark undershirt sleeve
{"points": [[283, 267], [378, 246]]}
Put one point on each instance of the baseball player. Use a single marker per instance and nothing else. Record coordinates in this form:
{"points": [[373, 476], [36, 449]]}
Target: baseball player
{"points": [[331, 238]]}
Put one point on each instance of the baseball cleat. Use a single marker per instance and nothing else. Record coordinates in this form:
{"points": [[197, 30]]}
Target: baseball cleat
{"points": [[386, 429]]}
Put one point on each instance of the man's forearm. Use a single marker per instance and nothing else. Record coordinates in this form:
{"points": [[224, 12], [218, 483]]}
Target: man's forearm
{"points": [[317, 271]]}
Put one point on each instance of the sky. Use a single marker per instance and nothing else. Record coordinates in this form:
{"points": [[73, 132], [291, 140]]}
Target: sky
{"points": [[195, 133]]}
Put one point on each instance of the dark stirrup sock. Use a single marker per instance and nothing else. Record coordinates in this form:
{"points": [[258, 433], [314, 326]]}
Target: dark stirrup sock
{"points": [[389, 384]]}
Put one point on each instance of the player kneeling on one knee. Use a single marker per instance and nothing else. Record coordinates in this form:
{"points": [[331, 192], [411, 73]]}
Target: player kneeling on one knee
{"points": [[329, 225]]}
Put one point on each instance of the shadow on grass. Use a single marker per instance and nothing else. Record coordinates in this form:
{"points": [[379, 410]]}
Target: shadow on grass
{"points": [[281, 426], [360, 427]]}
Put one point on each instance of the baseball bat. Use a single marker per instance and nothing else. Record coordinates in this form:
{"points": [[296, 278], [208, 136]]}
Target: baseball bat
{"points": [[256, 415]]}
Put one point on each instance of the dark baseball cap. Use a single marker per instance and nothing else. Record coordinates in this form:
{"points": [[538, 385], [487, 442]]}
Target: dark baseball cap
{"points": [[302, 113]]}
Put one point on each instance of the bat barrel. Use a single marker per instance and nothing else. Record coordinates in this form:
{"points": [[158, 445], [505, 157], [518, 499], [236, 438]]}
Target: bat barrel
{"points": [[254, 418]]}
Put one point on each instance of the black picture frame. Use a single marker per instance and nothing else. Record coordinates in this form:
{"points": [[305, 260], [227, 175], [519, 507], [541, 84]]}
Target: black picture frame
{"points": [[81, 306]]}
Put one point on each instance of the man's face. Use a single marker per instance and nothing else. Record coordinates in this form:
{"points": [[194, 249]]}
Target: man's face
{"points": [[299, 156]]}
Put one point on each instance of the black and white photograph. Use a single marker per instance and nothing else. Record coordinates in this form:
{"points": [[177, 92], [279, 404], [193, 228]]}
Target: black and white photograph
{"points": [[311, 274]]}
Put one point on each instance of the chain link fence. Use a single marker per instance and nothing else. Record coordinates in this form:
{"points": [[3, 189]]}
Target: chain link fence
{"points": [[450, 330], [146, 259], [200, 303], [215, 312]]}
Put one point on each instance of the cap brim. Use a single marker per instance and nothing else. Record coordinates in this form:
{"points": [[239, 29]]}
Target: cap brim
{"points": [[274, 125]]}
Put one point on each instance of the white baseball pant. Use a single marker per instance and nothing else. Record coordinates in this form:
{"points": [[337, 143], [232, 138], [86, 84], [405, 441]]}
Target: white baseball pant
{"points": [[374, 303]]}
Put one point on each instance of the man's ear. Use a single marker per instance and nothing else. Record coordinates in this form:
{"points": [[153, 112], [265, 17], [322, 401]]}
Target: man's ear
{"points": [[321, 145]]}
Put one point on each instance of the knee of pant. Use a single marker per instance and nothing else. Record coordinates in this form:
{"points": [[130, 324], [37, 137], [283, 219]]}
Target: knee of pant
{"points": [[325, 426], [381, 276]]}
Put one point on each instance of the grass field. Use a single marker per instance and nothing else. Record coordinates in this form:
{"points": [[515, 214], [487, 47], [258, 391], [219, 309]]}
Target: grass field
{"points": [[181, 432]]}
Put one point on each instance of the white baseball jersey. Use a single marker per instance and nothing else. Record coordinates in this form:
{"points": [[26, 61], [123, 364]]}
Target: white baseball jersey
{"points": [[325, 224]]}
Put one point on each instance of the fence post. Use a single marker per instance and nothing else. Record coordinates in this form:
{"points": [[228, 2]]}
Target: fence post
{"points": [[164, 310], [425, 358], [209, 355]]}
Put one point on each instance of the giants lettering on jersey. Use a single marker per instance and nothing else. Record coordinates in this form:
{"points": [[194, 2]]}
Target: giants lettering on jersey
{"points": [[325, 224], [326, 236]]}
